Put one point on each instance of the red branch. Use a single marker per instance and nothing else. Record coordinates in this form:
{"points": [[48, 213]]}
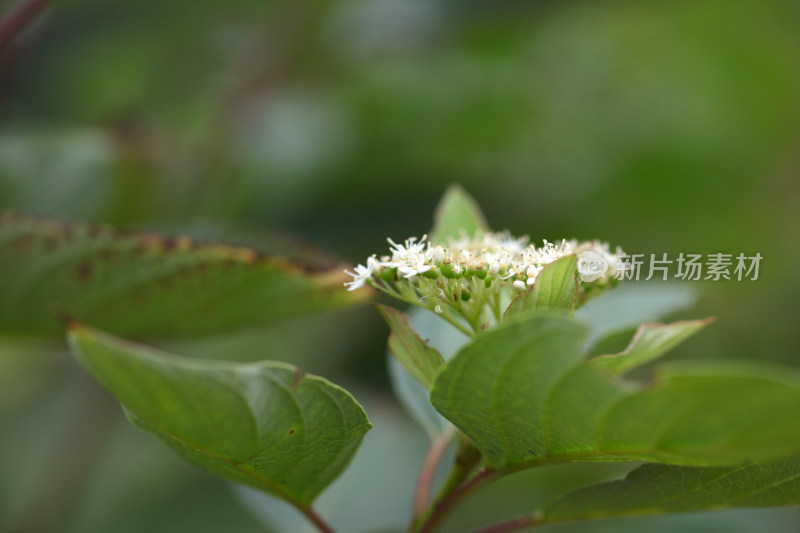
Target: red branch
{"points": [[18, 18]]}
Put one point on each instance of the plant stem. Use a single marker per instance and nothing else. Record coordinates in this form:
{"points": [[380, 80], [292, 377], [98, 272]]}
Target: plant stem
{"points": [[427, 473], [468, 457], [522, 522], [18, 18], [316, 519], [414, 300], [475, 323], [466, 331], [441, 509], [494, 308]]}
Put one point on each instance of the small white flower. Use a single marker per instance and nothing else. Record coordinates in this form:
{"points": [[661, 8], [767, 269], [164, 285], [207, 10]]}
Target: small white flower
{"points": [[360, 276], [520, 285], [408, 248], [438, 309], [532, 272], [412, 264]]}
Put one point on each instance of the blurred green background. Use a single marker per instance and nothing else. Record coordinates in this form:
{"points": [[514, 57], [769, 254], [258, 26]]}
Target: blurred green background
{"points": [[659, 126]]}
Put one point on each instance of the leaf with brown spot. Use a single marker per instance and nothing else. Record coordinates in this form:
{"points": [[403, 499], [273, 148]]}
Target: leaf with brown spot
{"points": [[153, 286]]}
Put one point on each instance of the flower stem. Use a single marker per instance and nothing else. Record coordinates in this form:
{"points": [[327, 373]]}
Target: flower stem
{"points": [[414, 299], [498, 315], [461, 327]]}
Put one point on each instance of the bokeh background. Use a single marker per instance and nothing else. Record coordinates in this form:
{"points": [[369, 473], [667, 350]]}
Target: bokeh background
{"points": [[659, 126]]}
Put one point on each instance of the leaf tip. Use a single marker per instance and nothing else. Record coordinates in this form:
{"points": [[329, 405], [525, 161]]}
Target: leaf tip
{"points": [[386, 311], [67, 321], [457, 211]]}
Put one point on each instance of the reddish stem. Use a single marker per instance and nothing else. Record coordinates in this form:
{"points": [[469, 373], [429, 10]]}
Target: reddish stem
{"points": [[427, 473], [18, 17], [316, 519], [443, 508]]}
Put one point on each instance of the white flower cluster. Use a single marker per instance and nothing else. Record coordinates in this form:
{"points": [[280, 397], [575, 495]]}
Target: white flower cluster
{"points": [[465, 274]]}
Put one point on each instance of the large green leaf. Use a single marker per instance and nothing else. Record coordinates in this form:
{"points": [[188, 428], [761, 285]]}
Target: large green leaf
{"points": [[657, 489], [648, 343], [148, 285], [421, 361], [708, 413], [495, 389], [457, 213], [265, 424], [553, 290], [525, 395], [392, 452]]}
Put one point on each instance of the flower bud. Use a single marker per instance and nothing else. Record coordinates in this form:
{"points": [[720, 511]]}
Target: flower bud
{"points": [[388, 274], [432, 273]]}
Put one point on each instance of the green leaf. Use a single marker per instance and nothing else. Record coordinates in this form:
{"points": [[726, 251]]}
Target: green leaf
{"points": [[421, 361], [628, 305], [457, 212], [658, 489], [553, 290], [415, 398], [525, 396], [650, 342], [359, 488], [708, 413], [149, 285], [495, 389], [265, 424]]}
